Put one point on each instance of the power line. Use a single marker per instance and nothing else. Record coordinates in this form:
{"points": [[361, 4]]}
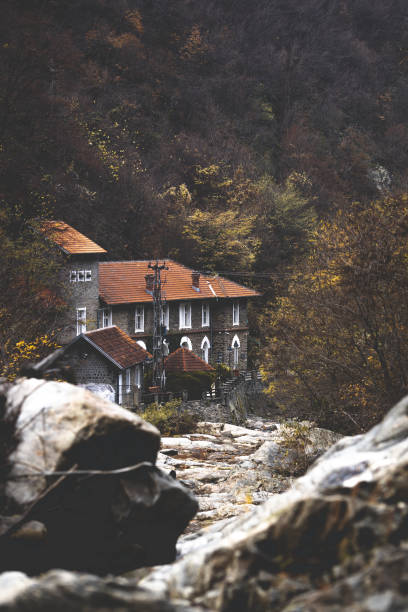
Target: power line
{"points": [[276, 275]]}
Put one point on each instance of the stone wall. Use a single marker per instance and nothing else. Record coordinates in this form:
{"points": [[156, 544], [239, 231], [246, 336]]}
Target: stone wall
{"points": [[206, 410], [89, 366], [245, 399], [224, 333], [80, 294], [220, 333]]}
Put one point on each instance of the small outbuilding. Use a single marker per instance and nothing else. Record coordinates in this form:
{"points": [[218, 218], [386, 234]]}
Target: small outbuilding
{"points": [[185, 371], [105, 358], [184, 360]]}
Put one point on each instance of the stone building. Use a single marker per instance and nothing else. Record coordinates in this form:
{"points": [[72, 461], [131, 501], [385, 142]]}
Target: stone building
{"points": [[183, 360], [205, 314], [80, 278], [105, 358]]}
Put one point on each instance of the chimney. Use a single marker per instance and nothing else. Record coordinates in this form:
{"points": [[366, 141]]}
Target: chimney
{"points": [[195, 278], [149, 282]]}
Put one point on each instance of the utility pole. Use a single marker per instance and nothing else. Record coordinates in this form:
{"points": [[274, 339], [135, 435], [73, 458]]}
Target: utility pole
{"points": [[158, 356]]}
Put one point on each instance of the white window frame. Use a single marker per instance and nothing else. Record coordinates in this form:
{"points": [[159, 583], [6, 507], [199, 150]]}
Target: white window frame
{"points": [[138, 377], [205, 314], [81, 320], [235, 345], [186, 340], [128, 384], [120, 388], [205, 348], [106, 317], [235, 313], [185, 315], [165, 316], [139, 318], [80, 276]]}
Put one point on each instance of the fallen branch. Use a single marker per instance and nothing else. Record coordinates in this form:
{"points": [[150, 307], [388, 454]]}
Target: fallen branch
{"points": [[73, 472], [23, 518]]}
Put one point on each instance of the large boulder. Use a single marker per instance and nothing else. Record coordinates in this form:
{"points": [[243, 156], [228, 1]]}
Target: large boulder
{"points": [[63, 591], [80, 489], [294, 448], [337, 536]]}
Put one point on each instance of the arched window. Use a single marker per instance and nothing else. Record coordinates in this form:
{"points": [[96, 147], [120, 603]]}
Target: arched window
{"points": [[205, 349], [185, 342], [142, 344], [235, 351]]}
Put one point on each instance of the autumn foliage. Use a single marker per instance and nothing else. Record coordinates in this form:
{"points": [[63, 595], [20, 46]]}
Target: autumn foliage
{"points": [[338, 345], [221, 133], [24, 352], [31, 304]]}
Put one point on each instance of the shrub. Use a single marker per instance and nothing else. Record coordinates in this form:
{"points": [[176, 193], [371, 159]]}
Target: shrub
{"points": [[169, 419], [295, 439], [196, 383], [223, 372]]}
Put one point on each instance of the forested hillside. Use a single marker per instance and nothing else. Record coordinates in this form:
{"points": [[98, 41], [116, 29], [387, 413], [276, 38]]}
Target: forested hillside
{"points": [[221, 133]]}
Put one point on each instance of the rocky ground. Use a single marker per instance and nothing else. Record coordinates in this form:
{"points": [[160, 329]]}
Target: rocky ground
{"points": [[335, 537], [231, 469]]}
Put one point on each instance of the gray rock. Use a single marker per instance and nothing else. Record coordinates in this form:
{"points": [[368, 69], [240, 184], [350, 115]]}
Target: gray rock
{"points": [[291, 453], [337, 538], [69, 591], [12, 584], [107, 392], [59, 424], [81, 491], [350, 509]]}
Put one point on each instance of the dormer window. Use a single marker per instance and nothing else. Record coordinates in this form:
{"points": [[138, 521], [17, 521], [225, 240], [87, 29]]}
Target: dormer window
{"points": [[235, 313], [139, 318]]}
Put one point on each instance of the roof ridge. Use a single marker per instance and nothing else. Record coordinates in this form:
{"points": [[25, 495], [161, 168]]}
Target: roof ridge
{"points": [[92, 331], [69, 239], [142, 261], [122, 282]]}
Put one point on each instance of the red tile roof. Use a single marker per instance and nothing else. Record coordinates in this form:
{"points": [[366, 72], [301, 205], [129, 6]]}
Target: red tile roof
{"points": [[183, 360], [123, 282], [69, 239], [117, 345]]}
